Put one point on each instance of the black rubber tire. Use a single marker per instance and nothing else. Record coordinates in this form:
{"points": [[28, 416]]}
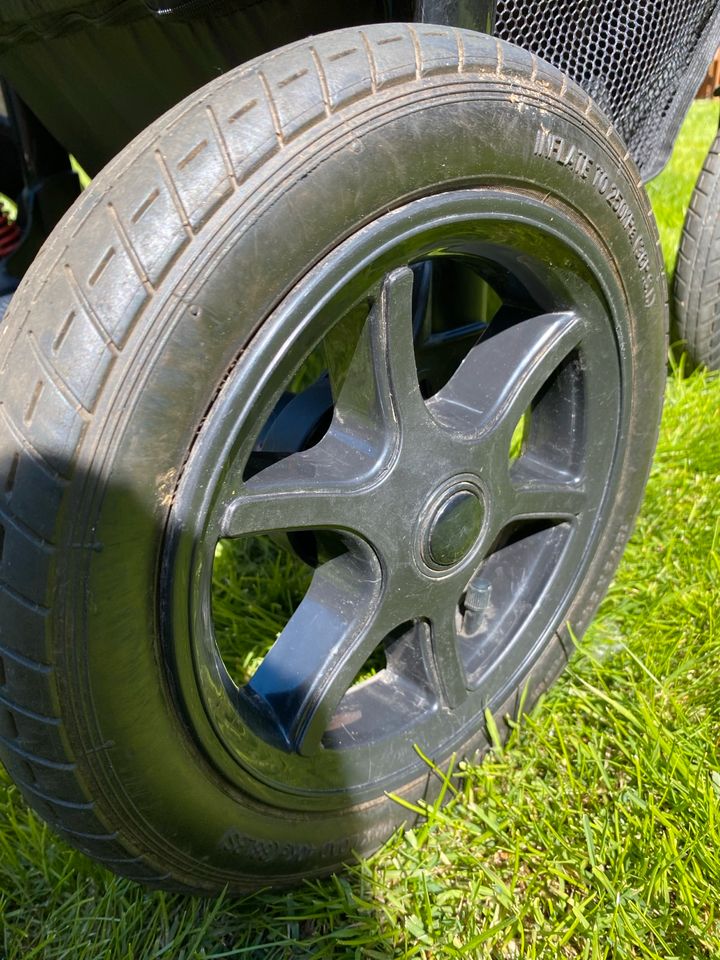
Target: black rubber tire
{"points": [[109, 366], [696, 293]]}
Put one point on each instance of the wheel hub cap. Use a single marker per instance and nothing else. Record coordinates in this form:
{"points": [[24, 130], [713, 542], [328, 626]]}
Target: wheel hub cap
{"points": [[454, 527]]}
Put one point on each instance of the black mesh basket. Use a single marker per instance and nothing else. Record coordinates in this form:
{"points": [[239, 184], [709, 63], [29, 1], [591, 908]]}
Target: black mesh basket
{"points": [[641, 60]]}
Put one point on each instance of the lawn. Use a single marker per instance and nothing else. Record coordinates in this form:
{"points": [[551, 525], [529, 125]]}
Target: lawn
{"points": [[595, 832]]}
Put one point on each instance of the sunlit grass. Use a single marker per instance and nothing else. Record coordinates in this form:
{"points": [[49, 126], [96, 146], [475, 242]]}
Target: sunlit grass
{"points": [[257, 586], [7, 207]]}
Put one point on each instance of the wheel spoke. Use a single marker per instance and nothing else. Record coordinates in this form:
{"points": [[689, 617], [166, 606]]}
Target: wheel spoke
{"points": [[313, 489], [447, 666], [542, 492], [381, 384], [501, 375], [317, 656], [562, 502]]}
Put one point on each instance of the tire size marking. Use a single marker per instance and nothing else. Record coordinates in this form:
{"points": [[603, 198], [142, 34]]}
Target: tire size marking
{"points": [[272, 851], [567, 154], [584, 167], [620, 207]]}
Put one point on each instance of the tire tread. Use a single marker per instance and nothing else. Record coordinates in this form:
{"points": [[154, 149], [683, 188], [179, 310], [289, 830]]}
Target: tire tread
{"points": [[696, 291]]}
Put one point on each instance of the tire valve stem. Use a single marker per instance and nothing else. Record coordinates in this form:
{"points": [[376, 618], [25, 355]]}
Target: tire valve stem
{"points": [[476, 603]]}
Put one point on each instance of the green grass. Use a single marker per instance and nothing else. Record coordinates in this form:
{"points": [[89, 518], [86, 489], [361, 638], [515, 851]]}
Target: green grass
{"points": [[594, 833], [670, 191], [257, 586]]}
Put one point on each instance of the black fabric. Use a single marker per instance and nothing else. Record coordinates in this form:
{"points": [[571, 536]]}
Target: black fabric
{"points": [[187, 9], [49, 16], [641, 60], [15, 11], [22, 20]]}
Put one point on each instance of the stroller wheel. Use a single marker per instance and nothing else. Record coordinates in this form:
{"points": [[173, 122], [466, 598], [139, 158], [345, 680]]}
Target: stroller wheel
{"points": [[696, 303], [327, 413]]}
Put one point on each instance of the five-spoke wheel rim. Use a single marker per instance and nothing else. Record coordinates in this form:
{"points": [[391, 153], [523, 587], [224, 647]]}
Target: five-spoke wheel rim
{"points": [[457, 555]]}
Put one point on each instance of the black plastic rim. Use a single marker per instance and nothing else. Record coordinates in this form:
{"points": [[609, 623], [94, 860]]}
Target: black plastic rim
{"points": [[473, 553]]}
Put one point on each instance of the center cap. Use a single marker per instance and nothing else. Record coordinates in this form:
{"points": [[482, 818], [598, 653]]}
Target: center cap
{"points": [[454, 527]]}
